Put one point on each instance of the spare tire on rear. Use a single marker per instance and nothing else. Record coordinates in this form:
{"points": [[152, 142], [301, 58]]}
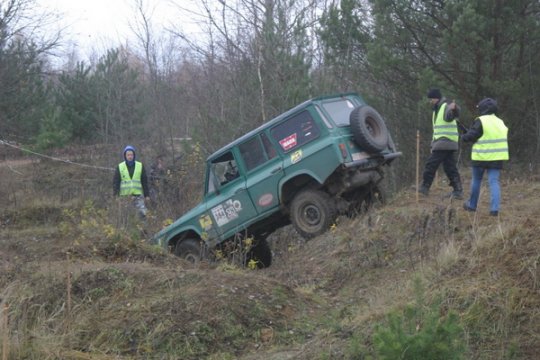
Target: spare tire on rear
{"points": [[369, 129]]}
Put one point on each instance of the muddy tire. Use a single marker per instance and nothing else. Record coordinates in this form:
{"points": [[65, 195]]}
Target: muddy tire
{"points": [[189, 249], [375, 198], [261, 253], [312, 212], [366, 199], [369, 129]]}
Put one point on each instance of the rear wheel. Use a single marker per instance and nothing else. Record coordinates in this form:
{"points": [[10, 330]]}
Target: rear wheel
{"points": [[365, 199], [260, 253], [312, 212], [375, 197], [189, 249]]}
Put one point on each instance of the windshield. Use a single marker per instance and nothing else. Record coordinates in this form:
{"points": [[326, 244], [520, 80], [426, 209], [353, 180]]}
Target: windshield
{"points": [[339, 110]]}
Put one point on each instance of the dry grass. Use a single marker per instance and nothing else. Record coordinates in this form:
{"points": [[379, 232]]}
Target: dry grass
{"points": [[320, 300]]}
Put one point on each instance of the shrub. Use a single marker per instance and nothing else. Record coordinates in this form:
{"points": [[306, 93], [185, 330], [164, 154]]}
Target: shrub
{"points": [[420, 332]]}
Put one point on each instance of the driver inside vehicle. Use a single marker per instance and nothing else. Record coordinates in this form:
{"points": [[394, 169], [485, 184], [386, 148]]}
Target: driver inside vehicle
{"points": [[231, 173]]}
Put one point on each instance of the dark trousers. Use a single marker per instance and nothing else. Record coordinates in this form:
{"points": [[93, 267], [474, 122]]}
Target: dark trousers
{"points": [[449, 160]]}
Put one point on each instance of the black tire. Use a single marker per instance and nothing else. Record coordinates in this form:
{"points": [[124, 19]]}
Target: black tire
{"points": [[312, 213], [365, 199], [374, 198], [189, 249], [261, 253], [369, 129]]}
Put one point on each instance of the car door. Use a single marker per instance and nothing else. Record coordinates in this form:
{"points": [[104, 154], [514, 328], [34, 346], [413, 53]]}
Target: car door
{"points": [[264, 169], [228, 202]]}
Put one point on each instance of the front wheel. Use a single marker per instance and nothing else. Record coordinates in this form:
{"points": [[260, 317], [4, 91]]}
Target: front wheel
{"points": [[260, 253], [312, 212], [189, 249]]}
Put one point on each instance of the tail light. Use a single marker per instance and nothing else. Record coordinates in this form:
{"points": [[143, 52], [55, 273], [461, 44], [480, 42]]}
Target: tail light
{"points": [[343, 149]]}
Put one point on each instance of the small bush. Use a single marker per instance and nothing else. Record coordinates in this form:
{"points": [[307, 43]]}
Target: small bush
{"points": [[420, 332]]}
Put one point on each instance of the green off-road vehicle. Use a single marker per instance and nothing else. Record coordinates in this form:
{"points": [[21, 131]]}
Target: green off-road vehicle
{"points": [[316, 161]]}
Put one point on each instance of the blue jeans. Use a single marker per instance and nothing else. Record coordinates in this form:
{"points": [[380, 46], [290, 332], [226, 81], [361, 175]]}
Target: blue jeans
{"points": [[494, 188]]}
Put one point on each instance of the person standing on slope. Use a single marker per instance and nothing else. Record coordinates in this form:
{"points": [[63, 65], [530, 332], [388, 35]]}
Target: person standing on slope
{"points": [[490, 149], [444, 145], [130, 181]]}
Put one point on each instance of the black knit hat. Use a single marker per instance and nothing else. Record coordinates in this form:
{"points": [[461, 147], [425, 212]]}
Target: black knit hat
{"points": [[434, 94], [487, 106]]}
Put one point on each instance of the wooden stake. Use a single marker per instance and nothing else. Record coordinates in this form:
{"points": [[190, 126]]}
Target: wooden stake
{"points": [[417, 164], [68, 287], [5, 342]]}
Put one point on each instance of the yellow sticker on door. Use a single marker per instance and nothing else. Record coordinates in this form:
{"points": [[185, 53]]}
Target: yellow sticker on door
{"points": [[296, 156], [206, 222]]}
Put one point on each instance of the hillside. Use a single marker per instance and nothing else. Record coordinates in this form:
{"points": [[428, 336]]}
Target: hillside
{"points": [[77, 285]]}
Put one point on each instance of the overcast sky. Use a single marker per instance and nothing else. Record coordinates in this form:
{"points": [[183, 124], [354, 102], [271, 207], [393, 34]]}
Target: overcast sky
{"points": [[102, 24]]}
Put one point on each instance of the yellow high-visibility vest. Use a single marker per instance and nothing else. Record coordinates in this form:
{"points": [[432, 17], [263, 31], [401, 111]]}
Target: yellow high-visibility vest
{"points": [[493, 144], [128, 185], [442, 128]]}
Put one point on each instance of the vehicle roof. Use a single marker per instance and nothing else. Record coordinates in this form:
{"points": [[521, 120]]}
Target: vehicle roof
{"points": [[278, 119]]}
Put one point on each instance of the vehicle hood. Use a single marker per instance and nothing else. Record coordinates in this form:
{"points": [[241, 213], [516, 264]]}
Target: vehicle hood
{"points": [[186, 221]]}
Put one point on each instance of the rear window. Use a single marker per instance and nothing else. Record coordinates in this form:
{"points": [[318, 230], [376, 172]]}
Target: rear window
{"points": [[339, 111], [296, 131]]}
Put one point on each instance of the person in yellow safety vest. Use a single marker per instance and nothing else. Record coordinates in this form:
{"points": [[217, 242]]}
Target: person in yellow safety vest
{"points": [[130, 180], [490, 149], [444, 145]]}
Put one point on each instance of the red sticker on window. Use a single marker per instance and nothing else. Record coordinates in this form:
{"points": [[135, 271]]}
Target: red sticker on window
{"points": [[289, 142]]}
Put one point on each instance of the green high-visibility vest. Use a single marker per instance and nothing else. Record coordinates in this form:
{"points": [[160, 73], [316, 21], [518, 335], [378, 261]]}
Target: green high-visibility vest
{"points": [[493, 144], [443, 128], [130, 185]]}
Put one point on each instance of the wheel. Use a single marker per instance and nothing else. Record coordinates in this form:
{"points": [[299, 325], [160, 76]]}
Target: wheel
{"points": [[369, 129], [189, 249], [365, 199], [374, 197], [261, 253], [312, 212]]}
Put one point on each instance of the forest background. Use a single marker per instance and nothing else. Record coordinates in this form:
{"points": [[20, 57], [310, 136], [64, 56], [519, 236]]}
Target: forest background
{"points": [[171, 94], [79, 283]]}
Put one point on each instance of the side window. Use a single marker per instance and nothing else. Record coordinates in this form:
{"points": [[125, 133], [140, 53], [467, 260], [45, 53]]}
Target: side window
{"points": [[270, 150], [253, 153], [222, 170], [257, 151], [296, 131]]}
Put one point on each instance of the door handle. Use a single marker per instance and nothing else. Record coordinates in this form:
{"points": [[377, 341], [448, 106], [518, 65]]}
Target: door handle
{"points": [[239, 191], [275, 170]]}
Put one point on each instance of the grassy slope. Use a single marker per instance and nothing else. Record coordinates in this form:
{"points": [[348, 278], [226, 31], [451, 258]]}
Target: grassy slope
{"points": [[321, 299]]}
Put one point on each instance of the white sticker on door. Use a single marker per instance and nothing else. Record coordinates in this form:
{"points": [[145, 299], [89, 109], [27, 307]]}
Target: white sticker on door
{"points": [[227, 211]]}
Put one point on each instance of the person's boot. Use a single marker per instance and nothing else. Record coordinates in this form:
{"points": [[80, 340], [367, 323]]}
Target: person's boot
{"points": [[457, 194], [424, 190], [467, 207]]}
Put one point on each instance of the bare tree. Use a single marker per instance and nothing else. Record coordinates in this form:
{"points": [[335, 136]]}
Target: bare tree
{"points": [[252, 63], [160, 56]]}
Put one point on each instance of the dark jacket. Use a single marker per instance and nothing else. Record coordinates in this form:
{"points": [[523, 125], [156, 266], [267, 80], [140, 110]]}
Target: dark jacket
{"points": [[449, 115], [474, 133], [117, 179]]}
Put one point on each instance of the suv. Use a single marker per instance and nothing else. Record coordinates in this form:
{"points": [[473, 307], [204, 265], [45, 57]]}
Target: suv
{"points": [[312, 163]]}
